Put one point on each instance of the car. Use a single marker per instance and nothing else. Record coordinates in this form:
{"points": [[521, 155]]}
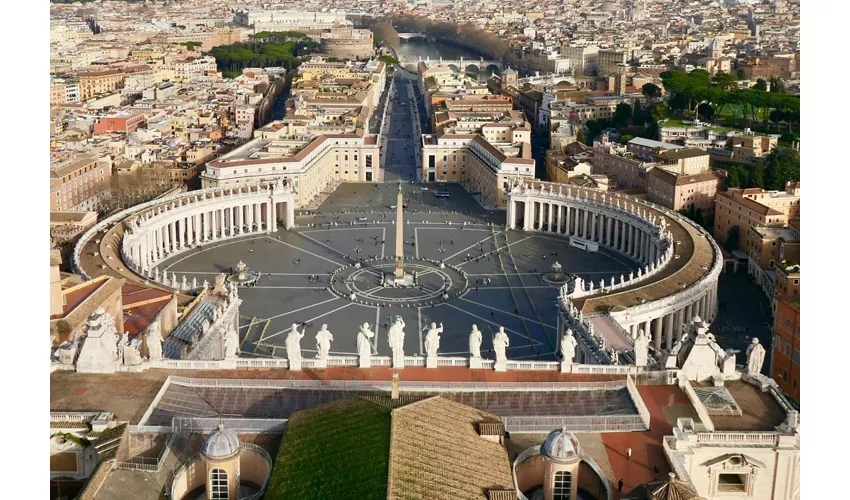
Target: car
{"points": [[424, 189], [442, 194], [363, 218], [393, 207]]}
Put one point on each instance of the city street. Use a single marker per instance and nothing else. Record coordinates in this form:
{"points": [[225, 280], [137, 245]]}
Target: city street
{"points": [[402, 138]]}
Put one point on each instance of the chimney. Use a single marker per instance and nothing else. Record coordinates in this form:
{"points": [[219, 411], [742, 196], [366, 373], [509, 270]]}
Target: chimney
{"points": [[395, 386]]}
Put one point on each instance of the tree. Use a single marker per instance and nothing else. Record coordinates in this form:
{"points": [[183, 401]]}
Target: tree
{"points": [[782, 165], [580, 137], [388, 60], [651, 91], [622, 114], [705, 111], [757, 175], [741, 74], [724, 81], [760, 85], [733, 238], [776, 86]]}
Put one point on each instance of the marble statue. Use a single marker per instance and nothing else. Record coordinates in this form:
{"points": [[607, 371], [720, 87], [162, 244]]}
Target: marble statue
{"points": [[432, 339], [641, 349], [194, 283], [293, 347], [364, 347], [396, 340], [475, 340], [154, 341], [755, 357], [500, 345], [568, 347], [231, 343], [99, 352], [323, 342]]}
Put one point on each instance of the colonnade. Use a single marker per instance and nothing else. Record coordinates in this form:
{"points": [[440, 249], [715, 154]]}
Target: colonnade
{"points": [[570, 219], [667, 329], [158, 231]]}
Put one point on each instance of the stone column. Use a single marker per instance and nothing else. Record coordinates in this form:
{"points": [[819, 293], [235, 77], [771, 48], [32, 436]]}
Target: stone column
{"points": [[647, 327], [290, 215], [214, 225], [510, 214], [633, 330], [658, 332], [567, 219], [677, 325], [594, 232], [668, 330], [540, 216], [616, 241], [585, 225], [552, 228], [560, 209], [632, 240]]}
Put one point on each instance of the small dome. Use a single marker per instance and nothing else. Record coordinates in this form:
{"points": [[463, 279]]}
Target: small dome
{"points": [[221, 443], [561, 446], [608, 7], [508, 71]]}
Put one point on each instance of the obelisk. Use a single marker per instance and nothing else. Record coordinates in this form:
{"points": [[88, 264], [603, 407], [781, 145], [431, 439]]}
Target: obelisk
{"points": [[399, 236]]}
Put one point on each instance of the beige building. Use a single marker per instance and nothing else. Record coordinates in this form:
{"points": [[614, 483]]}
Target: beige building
{"points": [[679, 191], [612, 61], [79, 182], [93, 83], [755, 207], [312, 164]]}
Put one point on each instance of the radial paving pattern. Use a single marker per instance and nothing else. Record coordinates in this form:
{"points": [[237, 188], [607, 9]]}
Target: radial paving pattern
{"points": [[503, 270]]}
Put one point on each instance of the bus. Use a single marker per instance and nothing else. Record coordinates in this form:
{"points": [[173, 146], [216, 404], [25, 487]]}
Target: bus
{"points": [[442, 194]]}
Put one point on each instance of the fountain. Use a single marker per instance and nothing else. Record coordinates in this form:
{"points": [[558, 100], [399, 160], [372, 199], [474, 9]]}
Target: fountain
{"points": [[243, 275], [555, 275]]}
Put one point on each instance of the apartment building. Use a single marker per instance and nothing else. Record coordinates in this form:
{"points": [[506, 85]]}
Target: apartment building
{"points": [[582, 60], [311, 163], [612, 61], [79, 182], [755, 207], [93, 83], [785, 356], [186, 69], [121, 122], [678, 191]]}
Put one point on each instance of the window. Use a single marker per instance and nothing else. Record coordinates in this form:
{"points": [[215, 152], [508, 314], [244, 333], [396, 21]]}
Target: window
{"points": [[731, 483], [788, 322], [787, 349], [777, 343], [562, 486], [796, 357], [218, 484]]}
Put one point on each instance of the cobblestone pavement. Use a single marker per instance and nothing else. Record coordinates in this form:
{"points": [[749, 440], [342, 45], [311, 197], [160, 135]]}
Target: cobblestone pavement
{"points": [[505, 288]]}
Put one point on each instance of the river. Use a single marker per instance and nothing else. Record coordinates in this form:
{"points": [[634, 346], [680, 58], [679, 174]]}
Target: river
{"points": [[414, 49]]}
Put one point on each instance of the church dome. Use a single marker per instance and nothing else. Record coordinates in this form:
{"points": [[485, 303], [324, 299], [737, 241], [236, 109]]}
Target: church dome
{"points": [[221, 443], [608, 7], [561, 446]]}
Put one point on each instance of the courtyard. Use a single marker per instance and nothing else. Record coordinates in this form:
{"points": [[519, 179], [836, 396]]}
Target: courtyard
{"points": [[356, 223]]}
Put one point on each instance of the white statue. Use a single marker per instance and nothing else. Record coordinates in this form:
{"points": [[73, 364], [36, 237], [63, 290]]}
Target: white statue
{"points": [[500, 345], [323, 342], [475, 340], [231, 343], [641, 349], [755, 357], [432, 339], [154, 341], [364, 347], [396, 340], [568, 347], [293, 345]]}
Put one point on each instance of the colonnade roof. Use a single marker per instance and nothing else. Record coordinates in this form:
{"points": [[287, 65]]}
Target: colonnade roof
{"points": [[696, 256]]}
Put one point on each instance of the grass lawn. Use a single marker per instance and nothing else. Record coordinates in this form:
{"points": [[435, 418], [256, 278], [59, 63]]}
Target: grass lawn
{"points": [[336, 450]]}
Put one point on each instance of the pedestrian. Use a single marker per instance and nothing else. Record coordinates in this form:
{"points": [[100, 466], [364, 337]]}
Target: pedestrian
{"points": [[620, 485], [629, 452]]}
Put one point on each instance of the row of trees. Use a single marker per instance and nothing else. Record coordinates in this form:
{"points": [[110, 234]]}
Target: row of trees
{"points": [[689, 91], [772, 172], [271, 49]]}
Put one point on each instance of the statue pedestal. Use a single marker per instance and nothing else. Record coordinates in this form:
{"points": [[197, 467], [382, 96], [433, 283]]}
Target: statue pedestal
{"points": [[566, 367], [295, 365], [474, 363], [431, 362], [365, 361], [501, 366], [398, 364], [320, 363]]}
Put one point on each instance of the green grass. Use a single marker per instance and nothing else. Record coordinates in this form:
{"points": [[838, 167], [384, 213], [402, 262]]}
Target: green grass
{"points": [[336, 450]]}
